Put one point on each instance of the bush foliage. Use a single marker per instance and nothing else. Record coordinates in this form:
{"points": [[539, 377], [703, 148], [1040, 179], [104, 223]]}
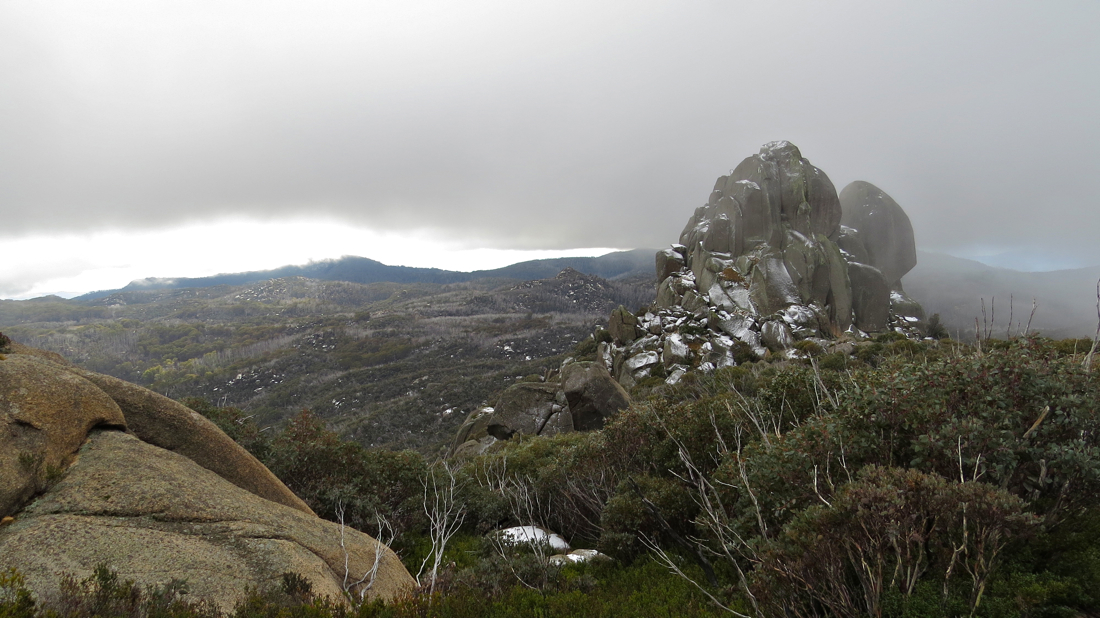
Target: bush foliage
{"points": [[902, 479]]}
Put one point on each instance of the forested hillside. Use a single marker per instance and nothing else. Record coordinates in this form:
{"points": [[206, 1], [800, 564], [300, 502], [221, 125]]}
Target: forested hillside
{"points": [[397, 365]]}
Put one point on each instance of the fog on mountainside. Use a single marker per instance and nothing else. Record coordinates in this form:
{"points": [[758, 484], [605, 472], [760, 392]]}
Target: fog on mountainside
{"points": [[955, 288]]}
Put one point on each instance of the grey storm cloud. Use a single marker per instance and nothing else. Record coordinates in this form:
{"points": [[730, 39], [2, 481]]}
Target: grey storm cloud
{"points": [[547, 124]]}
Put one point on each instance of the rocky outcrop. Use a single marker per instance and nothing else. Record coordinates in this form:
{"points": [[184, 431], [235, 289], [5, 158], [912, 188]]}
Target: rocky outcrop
{"points": [[94, 470], [173, 426], [766, 263], [581, 397], [593, 395], [882, 227], [762, 241]]}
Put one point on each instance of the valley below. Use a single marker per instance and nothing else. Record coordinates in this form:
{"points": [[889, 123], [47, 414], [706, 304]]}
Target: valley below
{"points": [[394, 365]]}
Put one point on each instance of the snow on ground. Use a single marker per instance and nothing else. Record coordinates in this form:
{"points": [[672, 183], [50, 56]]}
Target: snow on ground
{"points": [[534, 534]]}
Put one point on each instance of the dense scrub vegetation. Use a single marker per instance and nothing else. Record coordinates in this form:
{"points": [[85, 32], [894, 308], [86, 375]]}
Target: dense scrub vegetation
{"points": [[897, 478]]}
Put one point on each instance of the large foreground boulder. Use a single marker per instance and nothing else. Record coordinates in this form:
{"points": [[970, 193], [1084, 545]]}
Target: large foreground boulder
{"points": [[173, 426], [94, 470], [45, 413], [153, 515]]}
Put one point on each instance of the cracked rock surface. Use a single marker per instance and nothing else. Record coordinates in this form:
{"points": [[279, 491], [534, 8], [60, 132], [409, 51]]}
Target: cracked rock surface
{"points": [[105, 472]]}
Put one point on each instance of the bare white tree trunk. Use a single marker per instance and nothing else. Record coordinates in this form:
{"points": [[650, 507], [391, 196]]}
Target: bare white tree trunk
{"points": [[366, 582], [445, 515]]}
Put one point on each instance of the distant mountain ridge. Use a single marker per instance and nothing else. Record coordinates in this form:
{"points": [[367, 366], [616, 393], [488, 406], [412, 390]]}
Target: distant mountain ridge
{"points": [[353, 269], [953, 287]]}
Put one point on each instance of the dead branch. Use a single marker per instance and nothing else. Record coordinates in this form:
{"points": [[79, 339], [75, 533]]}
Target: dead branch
{"points": [[693, 549], [445, 515]]}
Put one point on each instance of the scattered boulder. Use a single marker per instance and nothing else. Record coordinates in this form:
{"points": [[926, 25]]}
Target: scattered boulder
{"points": [[623, 326], [578, 555], [473, 438], [529, 408], [669, 261], [529, 535], [584, 398], [526, 408], [593, 395], [776, 336]]}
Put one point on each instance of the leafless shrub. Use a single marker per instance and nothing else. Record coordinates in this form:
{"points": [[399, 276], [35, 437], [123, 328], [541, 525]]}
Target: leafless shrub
{"points": [[445, 512], [356, 589]]}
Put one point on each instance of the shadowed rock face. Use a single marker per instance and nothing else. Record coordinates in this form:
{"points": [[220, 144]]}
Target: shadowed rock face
{"points": [[883, 227], [96, 470], [871, 297], [593, 395]]}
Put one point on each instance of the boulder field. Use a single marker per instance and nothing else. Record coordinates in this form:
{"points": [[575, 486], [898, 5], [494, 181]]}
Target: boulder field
{"points": [[94, 470]]}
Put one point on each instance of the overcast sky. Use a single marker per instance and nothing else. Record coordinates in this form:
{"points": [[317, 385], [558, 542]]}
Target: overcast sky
{"points": [[186, 138]]}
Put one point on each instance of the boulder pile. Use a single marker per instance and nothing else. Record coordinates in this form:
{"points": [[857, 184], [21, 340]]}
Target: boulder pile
{"points": [[774, 257], [94, 471]]}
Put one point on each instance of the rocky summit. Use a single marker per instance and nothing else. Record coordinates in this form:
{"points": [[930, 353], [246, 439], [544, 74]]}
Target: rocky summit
{"points": [[94, 470], [773, 258]]}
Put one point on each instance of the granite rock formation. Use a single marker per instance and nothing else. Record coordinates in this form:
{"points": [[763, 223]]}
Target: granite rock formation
{"points": [[774, 257], [95, 471], [766, 262], [581, 397]]}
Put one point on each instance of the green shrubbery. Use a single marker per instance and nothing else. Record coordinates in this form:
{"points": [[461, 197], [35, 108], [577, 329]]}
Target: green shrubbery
{"points": [[906, 479], [811, 473]]}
